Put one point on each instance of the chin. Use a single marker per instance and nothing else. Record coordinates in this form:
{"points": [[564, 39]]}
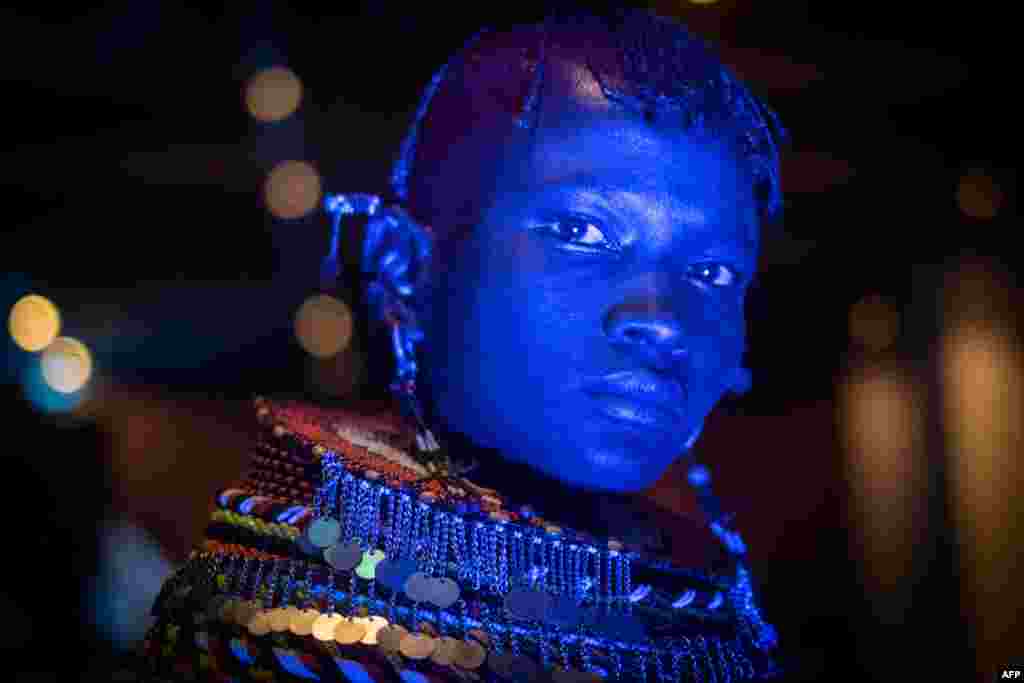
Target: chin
{"points": [[611, 470]]}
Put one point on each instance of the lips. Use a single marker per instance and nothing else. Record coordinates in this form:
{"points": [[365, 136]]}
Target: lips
{"points": [[638, 397]]}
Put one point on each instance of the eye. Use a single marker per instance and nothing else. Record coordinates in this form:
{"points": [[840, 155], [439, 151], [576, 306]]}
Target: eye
{"points": [[579, 234], [715, 274]]}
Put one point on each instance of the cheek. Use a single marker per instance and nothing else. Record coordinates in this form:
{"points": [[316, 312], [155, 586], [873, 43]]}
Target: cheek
{"points": [[719, 347]]}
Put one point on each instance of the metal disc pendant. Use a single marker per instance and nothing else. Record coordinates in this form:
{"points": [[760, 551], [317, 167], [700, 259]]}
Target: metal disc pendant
{"points": [[444, 653], [307, 547], [443, 592], [469, 655], [323, 627], [259, 623], [373, 625], [243, 611], [323, 532], [302, 623], [349, 632], [394, 573], [344, 557], [390, 637], [417, 645], [417, 587], [368, 565], [281, 618]]}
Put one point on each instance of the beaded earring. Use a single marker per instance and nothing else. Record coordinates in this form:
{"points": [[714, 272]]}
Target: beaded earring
{"points": [[388, 292]]}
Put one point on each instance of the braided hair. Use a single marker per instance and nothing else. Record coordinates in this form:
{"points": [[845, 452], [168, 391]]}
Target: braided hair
{"points": [[647, 63]]}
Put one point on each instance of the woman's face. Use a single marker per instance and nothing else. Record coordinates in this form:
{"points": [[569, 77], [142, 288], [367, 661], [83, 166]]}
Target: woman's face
{"points": [[595, 315]]}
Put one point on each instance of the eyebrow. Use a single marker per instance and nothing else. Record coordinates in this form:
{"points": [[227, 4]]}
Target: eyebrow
{"points": [[584, 182]]}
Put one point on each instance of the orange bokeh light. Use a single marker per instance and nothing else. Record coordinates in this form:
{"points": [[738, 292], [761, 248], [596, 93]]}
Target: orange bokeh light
{"points": [[292, 189], [273, 94]]}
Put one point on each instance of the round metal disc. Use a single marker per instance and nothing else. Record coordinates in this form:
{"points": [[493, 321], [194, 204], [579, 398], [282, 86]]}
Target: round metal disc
{"points": [[394, 573], [323, 532], [443, 592], [344, 557], [469, 655], [390, 637], [417, 645], [444, 653], [281, 618], [348, 632], [259, 623], [243, 612], [417, 587], [373, 625], [323, 627], [302, 623], [368, 565]]}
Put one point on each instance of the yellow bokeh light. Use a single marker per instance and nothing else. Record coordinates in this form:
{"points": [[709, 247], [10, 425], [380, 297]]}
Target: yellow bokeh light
{"points": [[874, 323], [34, 322], [323, 325], [292, 189], [978, 195], [273, 94], [67, 365]]}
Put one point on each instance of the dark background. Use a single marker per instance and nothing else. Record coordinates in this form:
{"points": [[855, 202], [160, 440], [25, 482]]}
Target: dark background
{"points": [[134, 176]]}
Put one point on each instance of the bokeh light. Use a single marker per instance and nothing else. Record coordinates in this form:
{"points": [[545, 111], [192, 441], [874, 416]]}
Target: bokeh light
{"points": [[978, 195], [323, 325], [874, 323], [273, 94], [66, 365], [34, 322], [292, 189], [983, 400], [883, 437]]}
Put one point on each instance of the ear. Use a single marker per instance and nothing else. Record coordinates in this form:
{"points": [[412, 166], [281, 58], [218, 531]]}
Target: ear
{"points": [[396, 258]]}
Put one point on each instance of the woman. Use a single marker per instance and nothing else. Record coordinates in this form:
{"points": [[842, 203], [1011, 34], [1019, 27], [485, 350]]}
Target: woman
{"points": [[561, 266]]}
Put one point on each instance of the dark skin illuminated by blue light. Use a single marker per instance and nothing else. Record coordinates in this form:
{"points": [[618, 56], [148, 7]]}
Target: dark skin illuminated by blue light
{"points": [[605, 243]]}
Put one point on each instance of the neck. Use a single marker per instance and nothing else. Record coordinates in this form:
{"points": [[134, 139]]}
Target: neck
{"points": [[600, 513]]}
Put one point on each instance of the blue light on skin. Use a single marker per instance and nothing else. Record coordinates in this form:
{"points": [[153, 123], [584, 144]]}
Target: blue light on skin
{"points": [[605, 244]]}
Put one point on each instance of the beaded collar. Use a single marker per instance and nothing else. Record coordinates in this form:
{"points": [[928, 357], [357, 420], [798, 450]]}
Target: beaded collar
{"points": [[419, 541]]}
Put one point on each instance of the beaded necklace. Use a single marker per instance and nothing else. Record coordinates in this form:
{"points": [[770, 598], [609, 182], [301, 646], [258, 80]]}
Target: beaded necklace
{"points": [[418, 556]]}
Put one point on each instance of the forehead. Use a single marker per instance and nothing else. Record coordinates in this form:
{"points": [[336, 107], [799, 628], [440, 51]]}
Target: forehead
{"points": [[581, 138]]}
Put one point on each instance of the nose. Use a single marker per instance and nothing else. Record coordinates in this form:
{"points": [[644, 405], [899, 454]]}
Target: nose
{"points": [[648, 330]]}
